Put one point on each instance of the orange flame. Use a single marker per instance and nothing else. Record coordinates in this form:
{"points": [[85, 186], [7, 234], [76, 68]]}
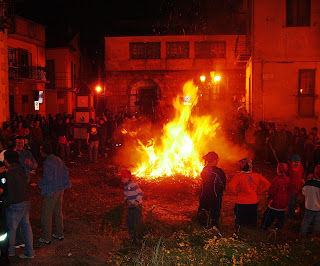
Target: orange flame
{"points": [[182, 144]]}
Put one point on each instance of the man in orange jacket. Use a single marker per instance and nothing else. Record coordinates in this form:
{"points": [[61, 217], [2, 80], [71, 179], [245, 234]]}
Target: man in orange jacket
{"points": [[246, 185]]}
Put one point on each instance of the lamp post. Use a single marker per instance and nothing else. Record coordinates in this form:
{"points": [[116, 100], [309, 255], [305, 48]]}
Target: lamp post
{"points": [[99, 90]]}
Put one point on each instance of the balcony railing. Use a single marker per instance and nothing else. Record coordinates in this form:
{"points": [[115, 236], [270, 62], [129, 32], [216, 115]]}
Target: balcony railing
{"points": [[243, 48], [28, 72]]}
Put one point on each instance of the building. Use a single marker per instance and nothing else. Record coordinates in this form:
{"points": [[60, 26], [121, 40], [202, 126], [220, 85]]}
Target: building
{"points": [[26, 60], [283, 77], [143, 72], [4, 82], [63, 68]]}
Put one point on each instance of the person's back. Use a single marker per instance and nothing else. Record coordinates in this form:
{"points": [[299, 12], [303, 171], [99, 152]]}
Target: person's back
{"points": [[279, 192], [246, 186], [17, 188], [296, 175], [311, 191], [213, 182], [56, 176]]}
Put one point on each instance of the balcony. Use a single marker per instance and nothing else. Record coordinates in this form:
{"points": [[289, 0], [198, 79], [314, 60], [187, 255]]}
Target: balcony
{"points": [[28, 72], [243, 48]]}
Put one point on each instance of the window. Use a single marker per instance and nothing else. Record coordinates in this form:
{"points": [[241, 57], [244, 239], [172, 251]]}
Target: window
{"points": [[24, 58], [12, 56], [210, 49], [177, 50], [25, 99], [50, 74], [306, 93], [298, 13], [145, 50]]}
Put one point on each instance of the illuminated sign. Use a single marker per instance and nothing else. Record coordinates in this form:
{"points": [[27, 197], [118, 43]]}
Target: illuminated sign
{"points": [[40, 97], [36, 106], [187, 100]]}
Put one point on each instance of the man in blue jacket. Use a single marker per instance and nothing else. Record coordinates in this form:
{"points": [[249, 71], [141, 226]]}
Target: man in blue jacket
{"points": [[55, 180]]}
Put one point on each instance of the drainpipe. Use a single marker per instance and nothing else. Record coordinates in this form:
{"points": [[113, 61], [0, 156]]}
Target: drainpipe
{"points": [[262, 100]]}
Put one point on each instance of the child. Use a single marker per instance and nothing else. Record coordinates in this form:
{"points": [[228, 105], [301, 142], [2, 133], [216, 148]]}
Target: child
{"points": [[213, 185], [279, 195], [133, 197], [296, 175], [311, 191], [245, 185]]}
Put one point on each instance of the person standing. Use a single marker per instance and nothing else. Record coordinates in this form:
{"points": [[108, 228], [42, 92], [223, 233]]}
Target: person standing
{"points": [[246, 185], [103, 132], [25, 157], [16, 201], [36, 139], [279, 195], [133, 197], [311, 191], [93, 140], [297, 176], [55, 180], [213, 185]]}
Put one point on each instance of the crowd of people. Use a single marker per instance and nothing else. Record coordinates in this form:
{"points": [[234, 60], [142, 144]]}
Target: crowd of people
{"points": [[25, 140], [274, 142], [60, 133], [282, 193]]}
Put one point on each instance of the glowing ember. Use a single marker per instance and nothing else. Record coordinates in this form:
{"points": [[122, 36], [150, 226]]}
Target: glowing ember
{"points": [[183, 143]]}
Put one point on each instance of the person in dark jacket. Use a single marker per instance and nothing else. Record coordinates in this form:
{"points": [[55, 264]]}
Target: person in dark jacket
{"points": [[213, 185], [53, 183], [16, 201], [297, 176], [4, 244], [279, 195]]}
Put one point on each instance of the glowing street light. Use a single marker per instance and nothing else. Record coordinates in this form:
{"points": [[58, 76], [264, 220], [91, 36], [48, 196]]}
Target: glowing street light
{"points": [[202, 78], [216, 78], [98, 89]]}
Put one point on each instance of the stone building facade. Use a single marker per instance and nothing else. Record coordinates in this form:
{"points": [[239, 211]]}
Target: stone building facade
{"points": [[143, 72]]}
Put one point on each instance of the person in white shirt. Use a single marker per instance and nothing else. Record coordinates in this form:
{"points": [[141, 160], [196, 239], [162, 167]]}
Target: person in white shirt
{"points": [[311, 191]]}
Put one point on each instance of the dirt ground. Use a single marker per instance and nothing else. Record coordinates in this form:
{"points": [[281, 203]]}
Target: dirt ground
{"points": [[96, 190]]}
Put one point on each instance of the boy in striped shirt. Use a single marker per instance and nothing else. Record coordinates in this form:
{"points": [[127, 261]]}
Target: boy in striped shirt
{"points": [[133, 197]]}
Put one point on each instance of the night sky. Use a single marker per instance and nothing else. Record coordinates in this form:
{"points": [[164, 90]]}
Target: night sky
{"points": [[96, 19], [99, 18]]}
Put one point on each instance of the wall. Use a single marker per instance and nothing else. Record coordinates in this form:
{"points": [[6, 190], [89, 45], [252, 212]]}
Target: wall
{"points": [[122, 73], [4, 83], [63, 56], [29, 36], [278, 54]]}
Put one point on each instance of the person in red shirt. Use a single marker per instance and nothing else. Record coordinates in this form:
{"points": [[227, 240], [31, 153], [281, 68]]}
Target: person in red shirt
{"points": [[297, 176], [246, 185], [279, 195]]}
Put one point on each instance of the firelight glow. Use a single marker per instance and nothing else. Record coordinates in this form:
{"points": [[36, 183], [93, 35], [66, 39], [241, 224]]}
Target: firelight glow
{"points": [[182, 145], [98, 89]]}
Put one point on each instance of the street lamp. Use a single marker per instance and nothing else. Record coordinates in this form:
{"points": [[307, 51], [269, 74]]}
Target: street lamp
{"points": [[98, 89], [217, 78], [202, 78]]}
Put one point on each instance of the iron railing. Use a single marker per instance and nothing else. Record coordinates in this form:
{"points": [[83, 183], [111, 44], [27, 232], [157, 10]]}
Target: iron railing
{"points": [[243, 48], [28, 72]]}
